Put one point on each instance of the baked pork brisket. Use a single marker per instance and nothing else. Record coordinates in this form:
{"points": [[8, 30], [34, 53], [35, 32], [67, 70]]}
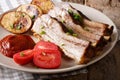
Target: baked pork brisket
{"points": [[93, 26], [50, 29], [63, 16]]}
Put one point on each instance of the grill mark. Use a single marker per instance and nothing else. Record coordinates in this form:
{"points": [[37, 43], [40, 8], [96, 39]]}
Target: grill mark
{"points": [[76, 43], [63, 49], [87, 50]]}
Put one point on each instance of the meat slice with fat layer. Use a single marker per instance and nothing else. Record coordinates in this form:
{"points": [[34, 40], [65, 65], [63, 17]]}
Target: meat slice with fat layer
{"points": [[50, 29]]}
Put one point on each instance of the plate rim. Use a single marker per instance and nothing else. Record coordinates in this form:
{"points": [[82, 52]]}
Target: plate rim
{"points": [[53, 71]]}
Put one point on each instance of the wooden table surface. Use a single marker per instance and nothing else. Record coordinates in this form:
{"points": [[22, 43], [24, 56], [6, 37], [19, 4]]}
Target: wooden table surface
{"points": [[107, 68]]}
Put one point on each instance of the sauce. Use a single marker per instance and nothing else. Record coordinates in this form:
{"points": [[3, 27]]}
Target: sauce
{"points": [[12, 44]]}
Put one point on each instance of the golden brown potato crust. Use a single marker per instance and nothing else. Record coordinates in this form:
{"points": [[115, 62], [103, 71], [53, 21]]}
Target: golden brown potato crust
{"points": [[45, 5], [32, 10], [16, 22]]}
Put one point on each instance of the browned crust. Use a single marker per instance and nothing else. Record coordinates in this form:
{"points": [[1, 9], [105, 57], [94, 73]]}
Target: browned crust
{"points": [[45, 5], [88, 55], [36, 7], [107, 29], [15, 12]]}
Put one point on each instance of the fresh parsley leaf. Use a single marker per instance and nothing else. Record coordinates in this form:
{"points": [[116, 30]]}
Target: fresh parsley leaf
{"points": [[63, 21], [33, 17], [70, 31], [41, 27], [62, 44], [42, 32], [18, 27], [75, 35]]}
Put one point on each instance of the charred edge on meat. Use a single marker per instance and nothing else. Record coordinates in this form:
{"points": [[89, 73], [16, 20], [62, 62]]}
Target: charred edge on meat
{"points": [[109, 29]]}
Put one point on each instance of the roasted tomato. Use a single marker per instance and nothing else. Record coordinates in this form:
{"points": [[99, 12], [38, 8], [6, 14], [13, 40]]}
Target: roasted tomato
{"points": [[46, 46], [23, 57], [12, 44], [16, 22], [46, 55], [47, 59]]}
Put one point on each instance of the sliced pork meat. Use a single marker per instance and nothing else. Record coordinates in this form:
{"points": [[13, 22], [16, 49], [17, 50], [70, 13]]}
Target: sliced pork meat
{"points": [[63, 16], [50, 29], [94, 27]]}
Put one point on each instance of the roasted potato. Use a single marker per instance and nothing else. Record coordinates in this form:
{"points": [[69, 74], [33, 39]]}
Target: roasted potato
{"points": [[16, 22], [45, 5], [32, 10]]}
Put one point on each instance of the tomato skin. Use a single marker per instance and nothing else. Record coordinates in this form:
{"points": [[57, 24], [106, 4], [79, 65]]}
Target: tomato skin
{"points": [[12, 44], [26, 58], [48, 61], [46, 46]]}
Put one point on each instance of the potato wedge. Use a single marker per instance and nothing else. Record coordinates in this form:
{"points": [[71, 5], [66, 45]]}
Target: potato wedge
{"points": [[32, 10], [16, 22], [45, 5]]}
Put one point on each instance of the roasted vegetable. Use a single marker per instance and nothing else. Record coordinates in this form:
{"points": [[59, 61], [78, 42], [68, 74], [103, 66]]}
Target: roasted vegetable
{"points": [[45, 5], [32, 10], [16, 22]]}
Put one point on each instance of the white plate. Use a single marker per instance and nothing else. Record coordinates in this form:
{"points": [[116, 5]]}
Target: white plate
{"points": [[66, 66]]}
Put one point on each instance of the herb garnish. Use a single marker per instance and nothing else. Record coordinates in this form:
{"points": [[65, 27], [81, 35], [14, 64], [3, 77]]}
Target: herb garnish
{"points": [[18, 27], [70, 11], [22, 54], [63, 21], [85, 28], [75, 35], [67, 33], [33, 17], [62, 44], [41, 27], [76, 16], [11, 26], [22, 14], [42, 32], [70, 31]]}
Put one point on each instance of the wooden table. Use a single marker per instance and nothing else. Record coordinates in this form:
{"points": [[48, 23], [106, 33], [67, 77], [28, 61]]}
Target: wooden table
{"points": [[106, 69]]}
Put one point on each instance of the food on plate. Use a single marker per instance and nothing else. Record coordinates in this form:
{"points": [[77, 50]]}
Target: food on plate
{"points": [[59, 28], [16, 22], [32, 10], [12, 44], [93, 26], [47, 59], [63, 16], [45, 5], [45, 46], [44, 55], [50, 29], [23, 57]]}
